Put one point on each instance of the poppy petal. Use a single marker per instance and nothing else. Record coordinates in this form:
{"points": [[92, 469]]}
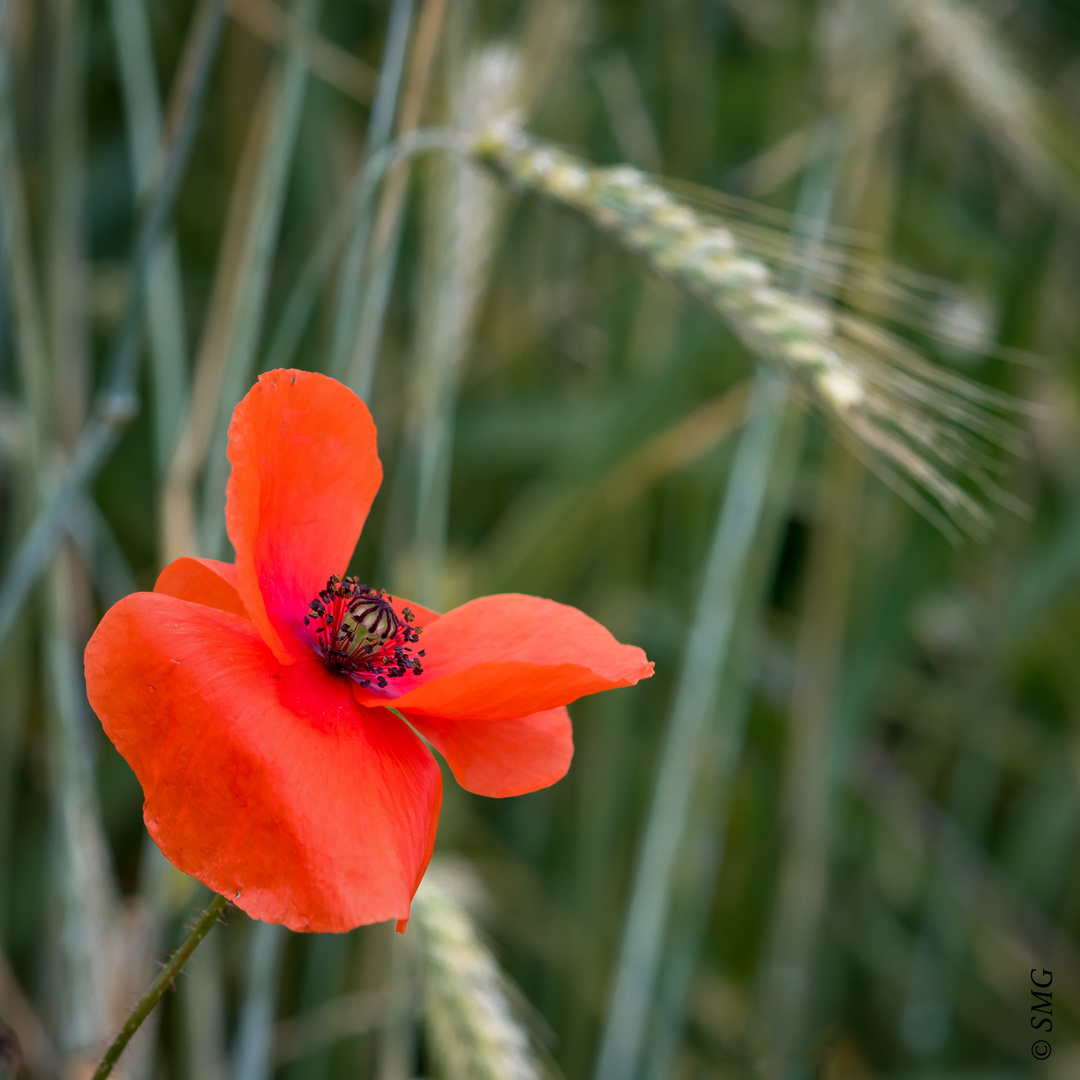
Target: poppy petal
{"points": [[502, 757], [304, 473], [265, 781], [202, 581], [507, 656]]}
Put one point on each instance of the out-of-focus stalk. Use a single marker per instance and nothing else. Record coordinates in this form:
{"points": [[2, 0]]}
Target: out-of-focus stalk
{"points": [[380, 126], [178, 492], [464, 214], [704, 849], [789, 970], [15, 681], [359, 373], [548, 521], [692, 755], [695, 698], [309, 1034], [235, 339], [23, 309], [83, 891], [398, 1037], [1032, 128], [168, 348], [116, 404], [254, 1057], [861, 85], [35, 1048], [20, 274], [165, 299], [297, 309], [337, 67], [201, 996], [946, 934], [66, 263]]}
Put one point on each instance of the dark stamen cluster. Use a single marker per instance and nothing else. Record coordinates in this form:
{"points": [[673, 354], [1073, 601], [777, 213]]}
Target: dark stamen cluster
{"points": [[359, 632]]}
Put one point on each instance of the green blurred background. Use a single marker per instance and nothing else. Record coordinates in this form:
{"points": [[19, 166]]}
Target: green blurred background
{"points": [[837, 830]]}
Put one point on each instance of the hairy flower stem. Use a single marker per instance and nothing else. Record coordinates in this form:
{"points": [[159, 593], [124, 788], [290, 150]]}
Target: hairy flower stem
{"points": [[158, 987]]}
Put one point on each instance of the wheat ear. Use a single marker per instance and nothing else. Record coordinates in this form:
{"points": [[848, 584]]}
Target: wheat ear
{"points": [[471, 1029], [928, 431]]}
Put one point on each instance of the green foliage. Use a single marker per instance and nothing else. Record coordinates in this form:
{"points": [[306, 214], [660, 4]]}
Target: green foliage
{"points": [[841, 821]]}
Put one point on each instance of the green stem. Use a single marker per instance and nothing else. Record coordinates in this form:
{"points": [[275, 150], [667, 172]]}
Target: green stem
{"points": [[159, 986]]}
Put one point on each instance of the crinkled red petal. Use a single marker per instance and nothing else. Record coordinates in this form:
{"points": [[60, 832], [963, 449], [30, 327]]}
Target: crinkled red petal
{"points": [[202, 581], [304, 473], [508, 656], [502, 757], [265, 781]]}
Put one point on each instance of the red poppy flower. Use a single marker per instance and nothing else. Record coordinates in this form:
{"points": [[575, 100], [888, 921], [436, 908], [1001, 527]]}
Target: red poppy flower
{"points": [[270, 709]]}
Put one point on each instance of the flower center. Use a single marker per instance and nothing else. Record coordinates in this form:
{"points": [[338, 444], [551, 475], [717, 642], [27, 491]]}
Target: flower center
{"points": [[360, 633]]}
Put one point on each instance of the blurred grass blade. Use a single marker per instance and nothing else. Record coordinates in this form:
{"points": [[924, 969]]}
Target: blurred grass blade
{"points": [[100, 551], [629, 118], [37, 1050], [315, 1031], [82, 888], [817, 196], [398, 1035], [386, 236], [116, 404], [178, 137], [165, 300], [20, 272], [788, 972], [320, 1001], [380, 126], [465, 215], [1033, 130], [972, 882], [179, 492], [945, 936], [300, 303], [202, 1005], [255, 1039], [702, 668], [15, 688], [335, 66], [701, 860], [236, 339], [465, 211], [66, 257], [552, 519]]}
